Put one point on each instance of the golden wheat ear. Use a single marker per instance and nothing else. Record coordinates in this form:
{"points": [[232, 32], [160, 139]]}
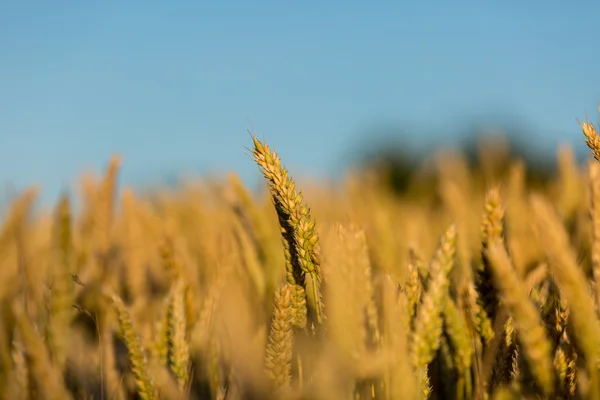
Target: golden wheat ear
{"points": [[179, 348], [531, 332], [428, 323], [591, 138], [280, 348], [300, 239], [572, 282], [137, 356]]}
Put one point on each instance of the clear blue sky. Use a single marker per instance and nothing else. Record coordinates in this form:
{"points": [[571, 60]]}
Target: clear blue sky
{"points": [[172, 86]]}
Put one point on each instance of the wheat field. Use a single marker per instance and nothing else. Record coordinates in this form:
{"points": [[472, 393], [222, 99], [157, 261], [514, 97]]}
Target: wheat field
{"points": [[481, 285]]}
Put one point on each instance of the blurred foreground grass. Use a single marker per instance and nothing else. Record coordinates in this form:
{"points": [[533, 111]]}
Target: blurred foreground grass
{"points": [[472, 282]]}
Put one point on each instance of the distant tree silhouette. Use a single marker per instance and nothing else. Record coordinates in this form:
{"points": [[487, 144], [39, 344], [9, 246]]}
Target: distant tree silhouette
{"points": [[398, 163]]}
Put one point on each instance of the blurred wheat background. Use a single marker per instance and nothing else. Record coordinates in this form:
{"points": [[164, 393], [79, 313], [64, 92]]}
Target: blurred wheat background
{"points": [[455, 288]]}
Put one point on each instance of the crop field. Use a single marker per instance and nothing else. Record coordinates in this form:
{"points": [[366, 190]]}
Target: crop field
{"points": [[472, 283]]}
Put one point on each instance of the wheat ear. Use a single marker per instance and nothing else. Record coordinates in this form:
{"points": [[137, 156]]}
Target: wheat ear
{"points": [[137, 358], [572, 283], [300, 239], [428, 324], [179, 350], [279, 351], [527, 320]]}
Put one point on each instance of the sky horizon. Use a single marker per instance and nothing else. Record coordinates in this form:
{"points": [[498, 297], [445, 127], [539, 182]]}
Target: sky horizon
{"points": [[174, 88]]}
